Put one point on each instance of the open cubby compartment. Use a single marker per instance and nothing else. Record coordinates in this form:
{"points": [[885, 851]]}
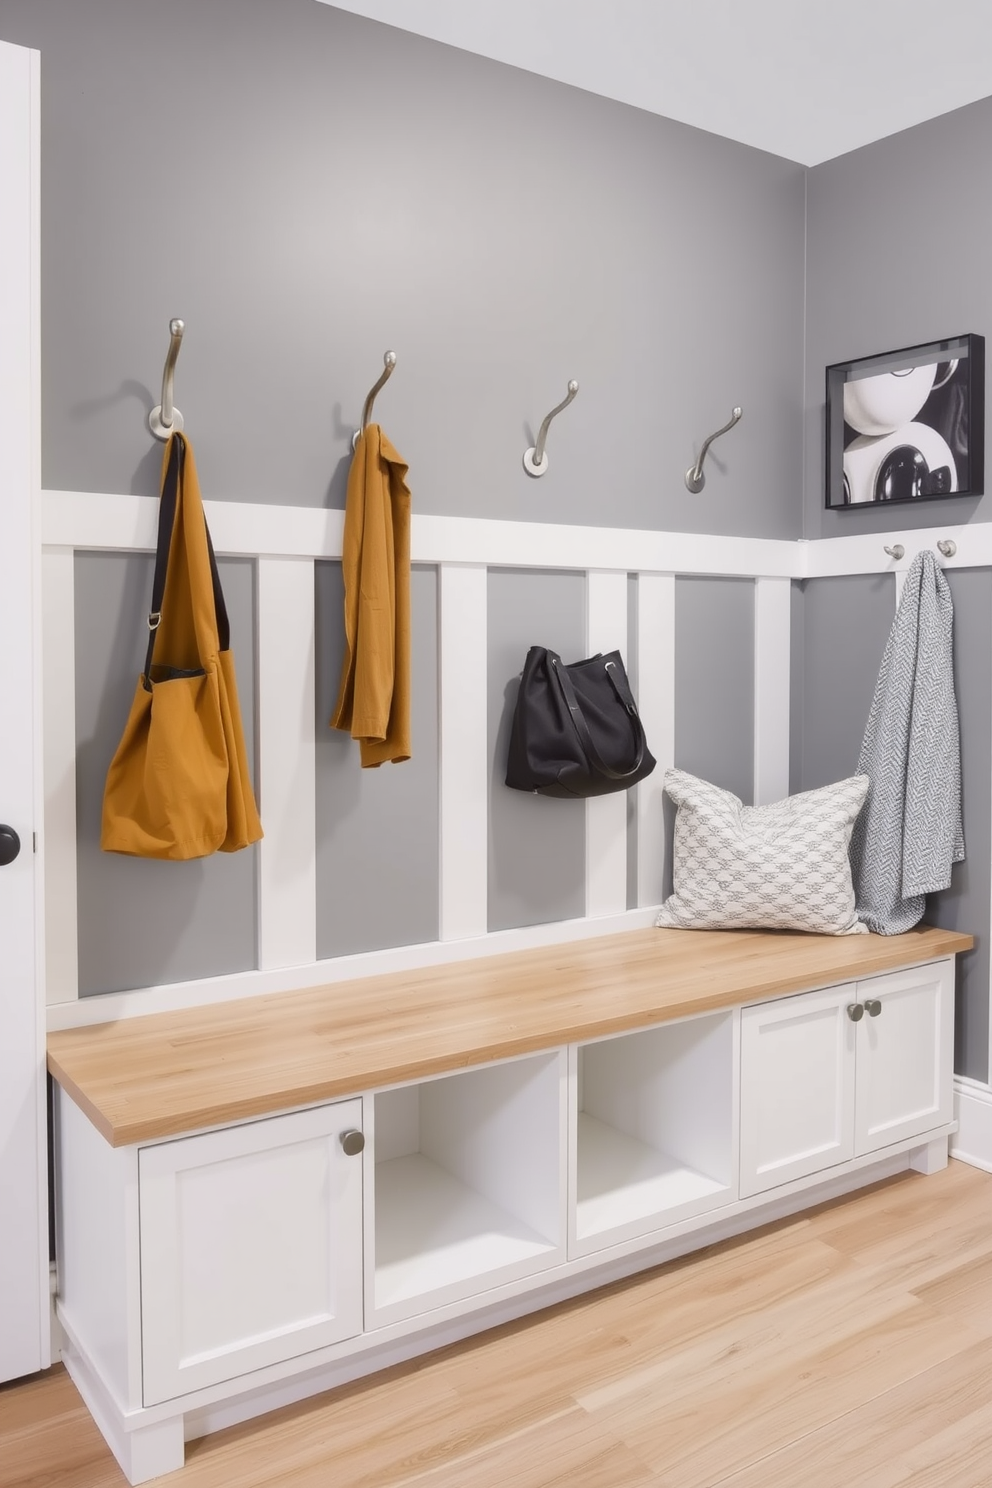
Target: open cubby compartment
{"points": [[468, 1184], [653, 1141]]}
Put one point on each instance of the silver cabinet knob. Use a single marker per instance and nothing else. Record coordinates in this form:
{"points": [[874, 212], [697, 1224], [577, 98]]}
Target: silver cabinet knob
{"points": [[872, 1007], [353, 1142], [855, 1011]]}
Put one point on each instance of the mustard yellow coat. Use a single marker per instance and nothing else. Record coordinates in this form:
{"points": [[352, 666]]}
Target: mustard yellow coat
{"points": [[374, 696]]}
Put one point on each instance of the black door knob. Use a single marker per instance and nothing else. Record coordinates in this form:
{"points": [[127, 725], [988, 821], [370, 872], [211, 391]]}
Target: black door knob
{"points": [[10, 845]]}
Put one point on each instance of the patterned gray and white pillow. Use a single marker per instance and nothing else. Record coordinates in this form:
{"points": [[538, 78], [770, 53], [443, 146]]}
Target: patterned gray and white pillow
{"points": [[778, 867]]}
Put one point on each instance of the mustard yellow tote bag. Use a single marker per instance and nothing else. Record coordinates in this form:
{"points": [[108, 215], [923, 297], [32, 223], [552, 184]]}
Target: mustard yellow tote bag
{"points": [[178, 786]]}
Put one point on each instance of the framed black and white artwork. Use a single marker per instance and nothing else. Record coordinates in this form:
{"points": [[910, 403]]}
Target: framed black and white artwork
{"points": [[907, 425]]}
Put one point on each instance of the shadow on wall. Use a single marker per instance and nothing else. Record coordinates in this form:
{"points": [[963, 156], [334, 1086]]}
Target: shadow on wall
{"points": [[141, 922], [376, 830], [532, 881], [337, 486], [147, 473]]}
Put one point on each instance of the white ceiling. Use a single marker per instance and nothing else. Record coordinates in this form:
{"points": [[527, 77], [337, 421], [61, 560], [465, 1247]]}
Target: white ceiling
{"points": [[807, 79]]}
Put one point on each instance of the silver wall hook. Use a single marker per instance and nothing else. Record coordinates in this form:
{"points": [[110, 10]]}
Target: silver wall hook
{"points": [[535, 459], [897, 551], [388, 364], [694, 478], [165, 418], [948, 547]]}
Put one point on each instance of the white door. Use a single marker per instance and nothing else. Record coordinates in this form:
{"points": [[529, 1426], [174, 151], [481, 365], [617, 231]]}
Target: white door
{"points": [[24, 1330], [251, 1247], [797, 1087], [905, 1055]]}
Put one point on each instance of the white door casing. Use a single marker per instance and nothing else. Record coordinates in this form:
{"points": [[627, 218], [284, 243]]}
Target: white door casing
{"points": [[24, 1328]]}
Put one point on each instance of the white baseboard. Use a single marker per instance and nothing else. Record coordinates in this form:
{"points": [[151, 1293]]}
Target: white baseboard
{"points": [[973, 1112]]}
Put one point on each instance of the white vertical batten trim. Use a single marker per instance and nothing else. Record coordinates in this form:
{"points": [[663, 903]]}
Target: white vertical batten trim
{"points": [[656, 704], [58, 649], [287, 869], [606, 816], [772, 652], [463, 787]]}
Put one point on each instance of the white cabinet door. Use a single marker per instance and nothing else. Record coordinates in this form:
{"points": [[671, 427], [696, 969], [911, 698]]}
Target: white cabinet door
{"points": [[24, 1327], [251, 1247], [905, 1055], [797, 1087]]}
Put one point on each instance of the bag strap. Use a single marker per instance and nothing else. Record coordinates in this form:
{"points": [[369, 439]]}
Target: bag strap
{"points": [[167, 509], [626, 697]]}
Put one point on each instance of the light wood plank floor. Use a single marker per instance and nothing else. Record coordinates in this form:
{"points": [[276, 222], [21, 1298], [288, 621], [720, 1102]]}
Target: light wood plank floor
{"points": [[849, 1348]]}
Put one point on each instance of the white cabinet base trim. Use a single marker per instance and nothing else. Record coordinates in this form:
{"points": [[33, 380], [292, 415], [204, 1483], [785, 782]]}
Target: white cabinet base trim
{"points": [[144, 1448], [930, 1158]]}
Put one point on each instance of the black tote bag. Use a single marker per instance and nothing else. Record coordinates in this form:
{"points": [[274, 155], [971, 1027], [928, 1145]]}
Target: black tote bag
{"points": [[576, 731]]}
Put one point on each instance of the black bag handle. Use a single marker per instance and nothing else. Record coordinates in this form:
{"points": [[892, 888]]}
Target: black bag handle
{"points": [[166, 521], [582, 728]]}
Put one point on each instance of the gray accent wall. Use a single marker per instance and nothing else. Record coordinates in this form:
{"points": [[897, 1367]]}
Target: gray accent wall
{"points": [[376, 829], [143, 923], [898, 245], [306, 188], [845, 623], [714, 682], [537, 845], [797, 641]]}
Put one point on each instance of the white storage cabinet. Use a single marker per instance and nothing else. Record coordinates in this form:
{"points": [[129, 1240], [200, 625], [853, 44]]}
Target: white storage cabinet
{"points": [[834, 1075], [209, 1276]]}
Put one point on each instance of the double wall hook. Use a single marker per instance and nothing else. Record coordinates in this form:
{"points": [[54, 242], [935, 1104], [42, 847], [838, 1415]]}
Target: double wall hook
{"points": [[165, 418], [388, 363], [535, 459], [694, 478]]}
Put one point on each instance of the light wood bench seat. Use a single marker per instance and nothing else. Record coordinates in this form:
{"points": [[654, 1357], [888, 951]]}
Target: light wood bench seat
{"points": [[163, 1074]]}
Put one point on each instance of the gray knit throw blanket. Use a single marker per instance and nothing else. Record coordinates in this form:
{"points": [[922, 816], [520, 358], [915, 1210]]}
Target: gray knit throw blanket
{"points": [[909, 831]]}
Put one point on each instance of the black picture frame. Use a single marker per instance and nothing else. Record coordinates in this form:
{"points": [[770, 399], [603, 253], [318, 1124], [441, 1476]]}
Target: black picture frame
{"points": [[906, 425]]}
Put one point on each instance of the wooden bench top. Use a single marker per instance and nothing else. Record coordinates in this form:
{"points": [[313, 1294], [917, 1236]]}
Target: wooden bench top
{"points": [[163, 1074]]}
